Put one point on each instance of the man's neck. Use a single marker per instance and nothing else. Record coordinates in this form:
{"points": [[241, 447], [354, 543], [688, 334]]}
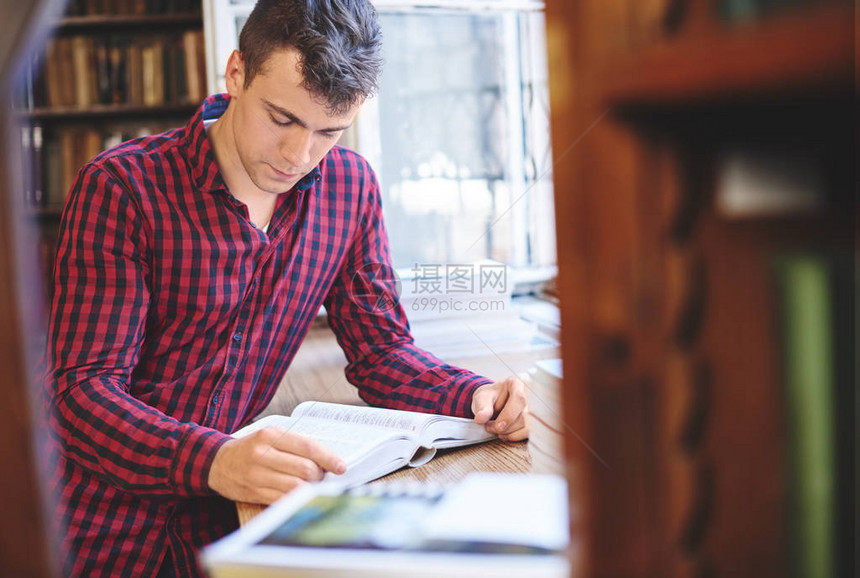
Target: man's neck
{"points": [[261, 205]]}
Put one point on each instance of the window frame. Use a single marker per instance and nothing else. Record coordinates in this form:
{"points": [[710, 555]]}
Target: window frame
{"points": [[221, 34]]}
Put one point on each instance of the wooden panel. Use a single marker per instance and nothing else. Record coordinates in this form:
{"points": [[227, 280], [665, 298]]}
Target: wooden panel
{"points": [[746, 434], [24, 549], [607, 404], [564, 58], [796, 51]]}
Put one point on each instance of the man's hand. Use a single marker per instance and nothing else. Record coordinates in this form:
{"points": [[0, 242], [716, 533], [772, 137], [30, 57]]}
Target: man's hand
{"points": [[262, 467], [506, 402]]}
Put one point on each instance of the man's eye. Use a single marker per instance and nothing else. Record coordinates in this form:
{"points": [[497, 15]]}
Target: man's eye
{"points": [[330, 134], [281, 123]]}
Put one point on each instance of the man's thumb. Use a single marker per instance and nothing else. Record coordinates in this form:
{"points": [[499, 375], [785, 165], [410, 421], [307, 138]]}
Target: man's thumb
{"points": [[483, 410]]}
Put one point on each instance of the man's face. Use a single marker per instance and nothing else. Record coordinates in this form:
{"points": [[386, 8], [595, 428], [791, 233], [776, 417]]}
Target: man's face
{"points": [[281, 130]]}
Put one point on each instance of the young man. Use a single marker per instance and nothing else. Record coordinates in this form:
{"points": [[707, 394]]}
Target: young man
{"points": [[189, 268]]}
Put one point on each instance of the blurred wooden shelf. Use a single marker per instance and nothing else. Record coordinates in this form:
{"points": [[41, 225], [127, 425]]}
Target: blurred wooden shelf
{"points": [[111, 23], [46, 212], [797, 52], [110, 111]]}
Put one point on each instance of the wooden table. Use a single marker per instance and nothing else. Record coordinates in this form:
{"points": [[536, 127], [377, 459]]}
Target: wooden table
{"points": [[317, 373]]}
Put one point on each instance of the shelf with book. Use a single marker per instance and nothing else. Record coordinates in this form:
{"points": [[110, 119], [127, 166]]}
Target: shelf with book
{"points": [[114, 70], [713, 176]]}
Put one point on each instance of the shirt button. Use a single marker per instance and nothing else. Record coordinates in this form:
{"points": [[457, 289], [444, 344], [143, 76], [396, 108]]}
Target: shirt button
{"points": [[215, 399], [237, 337]]}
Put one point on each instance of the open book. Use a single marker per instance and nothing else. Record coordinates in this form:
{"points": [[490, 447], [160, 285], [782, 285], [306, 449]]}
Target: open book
{"points": [[374, 441]]}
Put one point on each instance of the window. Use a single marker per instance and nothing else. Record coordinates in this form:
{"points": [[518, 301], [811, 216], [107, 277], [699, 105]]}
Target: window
{"points": [[459, 132]]}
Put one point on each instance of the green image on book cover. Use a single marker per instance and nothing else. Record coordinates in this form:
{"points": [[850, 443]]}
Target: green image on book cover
{"points": [[375, 522]]}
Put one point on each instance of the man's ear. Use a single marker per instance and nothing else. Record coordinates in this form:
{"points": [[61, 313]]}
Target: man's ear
{"points": [[235, 74]]}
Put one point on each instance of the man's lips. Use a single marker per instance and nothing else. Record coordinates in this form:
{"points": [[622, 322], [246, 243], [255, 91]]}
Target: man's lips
{"points": [[284, 175]]}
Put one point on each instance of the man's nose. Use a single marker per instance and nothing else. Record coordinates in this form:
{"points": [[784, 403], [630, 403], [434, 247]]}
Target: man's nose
{"points": [[296, 147]]}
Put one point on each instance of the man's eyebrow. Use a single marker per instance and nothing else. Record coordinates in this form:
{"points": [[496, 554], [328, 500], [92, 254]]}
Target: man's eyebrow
{"points": [[294, 119]]}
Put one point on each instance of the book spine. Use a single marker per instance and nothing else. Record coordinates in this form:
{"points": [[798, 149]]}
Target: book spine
{"points": [[53, 172], [35, 165], [83, 69], [51, 73], [27, 153], [808, 353], [117, 55], [135, 73], [189, 45], [37, 87], [102, 63]]}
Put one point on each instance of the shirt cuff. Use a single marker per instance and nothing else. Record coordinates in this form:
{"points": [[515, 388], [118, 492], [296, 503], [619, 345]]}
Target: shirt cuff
{"points": [[457, 400], [193, 459]]}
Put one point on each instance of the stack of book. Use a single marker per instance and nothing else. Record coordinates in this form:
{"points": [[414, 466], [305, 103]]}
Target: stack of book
{"points": [[464, 311], [421, 531], [546, 435]]}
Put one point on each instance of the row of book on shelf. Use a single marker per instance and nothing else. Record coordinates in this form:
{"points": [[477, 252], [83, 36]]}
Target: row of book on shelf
{"points": [[83, 71], [131, 7]]}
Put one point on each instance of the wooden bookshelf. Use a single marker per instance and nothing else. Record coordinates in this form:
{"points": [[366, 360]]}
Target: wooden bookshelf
{"points": [[796, 52], [100, 80], [673, 328]]}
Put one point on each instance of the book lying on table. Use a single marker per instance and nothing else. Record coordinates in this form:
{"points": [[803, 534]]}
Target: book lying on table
{"points": [[504, 525], [374, 441]]}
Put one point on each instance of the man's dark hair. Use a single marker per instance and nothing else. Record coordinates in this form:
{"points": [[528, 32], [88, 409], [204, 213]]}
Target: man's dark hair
{"points": [[339, 43]]}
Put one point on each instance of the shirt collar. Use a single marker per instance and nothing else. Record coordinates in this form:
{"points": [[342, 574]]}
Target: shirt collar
{"points": [[204, 169]]}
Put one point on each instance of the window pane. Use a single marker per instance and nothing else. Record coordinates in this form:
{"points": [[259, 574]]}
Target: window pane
{"points": [[463, 135]]}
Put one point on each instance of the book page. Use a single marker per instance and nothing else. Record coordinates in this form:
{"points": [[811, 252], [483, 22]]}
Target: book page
{"points": [[350, 443], [432, 430], [408, 421], [443, 431]]}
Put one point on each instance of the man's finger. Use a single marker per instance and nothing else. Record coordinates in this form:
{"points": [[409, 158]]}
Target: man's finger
{"points": [[509, 415], [514, 407], [278, 463], [299, 445], [515, 436], [281, 482], [268, 496], [498, 426]]}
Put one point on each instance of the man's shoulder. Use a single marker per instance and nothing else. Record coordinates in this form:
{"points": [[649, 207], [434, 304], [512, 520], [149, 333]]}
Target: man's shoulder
{"points": [[345, 167], [342, 156], [141, 151]]}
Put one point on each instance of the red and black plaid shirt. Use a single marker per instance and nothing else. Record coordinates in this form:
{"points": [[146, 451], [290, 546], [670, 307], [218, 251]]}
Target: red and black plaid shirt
{"points": [[174, 320]]}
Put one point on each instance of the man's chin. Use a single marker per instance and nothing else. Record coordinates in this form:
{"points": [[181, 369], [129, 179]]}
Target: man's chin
{"points": [[274, 186]]}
